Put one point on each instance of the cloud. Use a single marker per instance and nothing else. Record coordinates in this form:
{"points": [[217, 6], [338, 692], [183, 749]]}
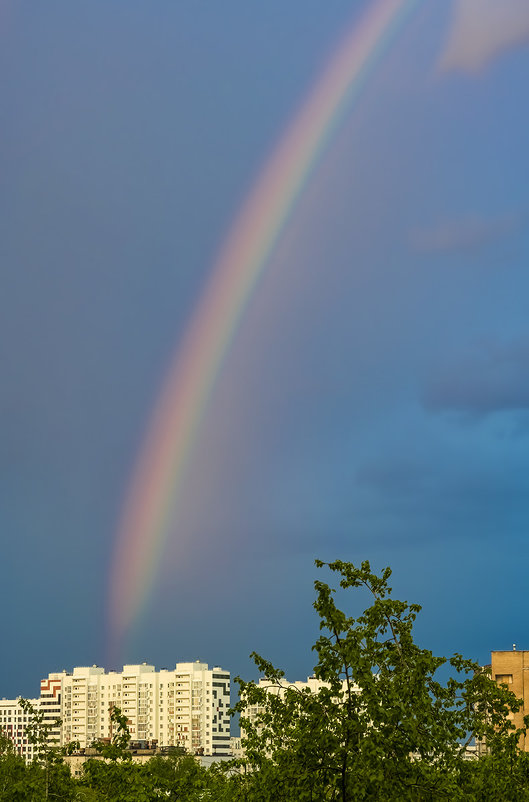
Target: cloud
{"points": [[467, 233], [482, 30], [495, 380]]}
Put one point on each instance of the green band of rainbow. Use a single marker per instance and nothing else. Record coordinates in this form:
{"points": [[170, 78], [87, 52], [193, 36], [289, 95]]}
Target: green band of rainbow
{"points": [[154, 491]]}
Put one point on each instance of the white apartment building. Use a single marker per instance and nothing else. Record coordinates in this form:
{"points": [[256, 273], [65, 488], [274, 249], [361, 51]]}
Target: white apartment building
{"points": [[273, 688], [50, 703], [186, 706], [13, 723]]}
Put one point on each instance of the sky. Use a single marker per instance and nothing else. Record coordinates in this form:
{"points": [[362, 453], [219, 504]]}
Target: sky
{"points": [[374, 401]]}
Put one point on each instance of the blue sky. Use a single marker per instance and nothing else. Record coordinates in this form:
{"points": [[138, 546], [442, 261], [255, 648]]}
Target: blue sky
{"points": [[375, 401]]}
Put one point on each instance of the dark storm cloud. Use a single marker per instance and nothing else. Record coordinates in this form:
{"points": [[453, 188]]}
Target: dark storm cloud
{"points": [[495, 380], [449, 499]]}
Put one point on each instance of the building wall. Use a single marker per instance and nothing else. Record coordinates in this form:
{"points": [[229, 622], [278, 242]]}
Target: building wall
{"points": [[50, 703], [77, 760], [237, 748], [512, 669]]}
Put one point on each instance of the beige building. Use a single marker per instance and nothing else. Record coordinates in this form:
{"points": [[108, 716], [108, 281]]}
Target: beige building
{"points": [[77, 760], [236, 748], [138, 754], [512, 669]]}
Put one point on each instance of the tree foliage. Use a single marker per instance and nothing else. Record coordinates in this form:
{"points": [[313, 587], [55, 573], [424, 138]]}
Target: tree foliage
{"points": [[390, 723], [383, 726]]}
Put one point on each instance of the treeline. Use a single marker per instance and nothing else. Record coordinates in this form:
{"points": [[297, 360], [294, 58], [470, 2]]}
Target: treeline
{"points": [[180, 778], [172, 777], [382, 727]]}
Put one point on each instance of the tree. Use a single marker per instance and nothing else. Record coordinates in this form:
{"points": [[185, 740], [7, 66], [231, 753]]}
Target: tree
{"points": [[176, 777], [383, 726], [12, 772], [113, 776], [48, 777], [118, 748]]}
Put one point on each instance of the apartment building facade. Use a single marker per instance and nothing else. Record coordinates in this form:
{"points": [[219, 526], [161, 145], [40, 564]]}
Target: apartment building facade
{"points": [[511, 668], [13, 723], [254, 711], [186, 706]]}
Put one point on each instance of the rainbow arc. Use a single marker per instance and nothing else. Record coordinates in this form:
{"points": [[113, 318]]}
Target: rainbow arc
{"points": [[156, 484]]}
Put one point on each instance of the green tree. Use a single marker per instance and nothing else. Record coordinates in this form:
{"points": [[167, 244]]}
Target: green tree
{"points": [[383, 726], [13, 773], [118, 748], [113, 776], [176, 777], [40, 731], [47, 777]]}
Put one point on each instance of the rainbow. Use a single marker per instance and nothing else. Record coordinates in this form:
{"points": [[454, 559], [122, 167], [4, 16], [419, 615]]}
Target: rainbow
{"points": [[154, 491]]}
